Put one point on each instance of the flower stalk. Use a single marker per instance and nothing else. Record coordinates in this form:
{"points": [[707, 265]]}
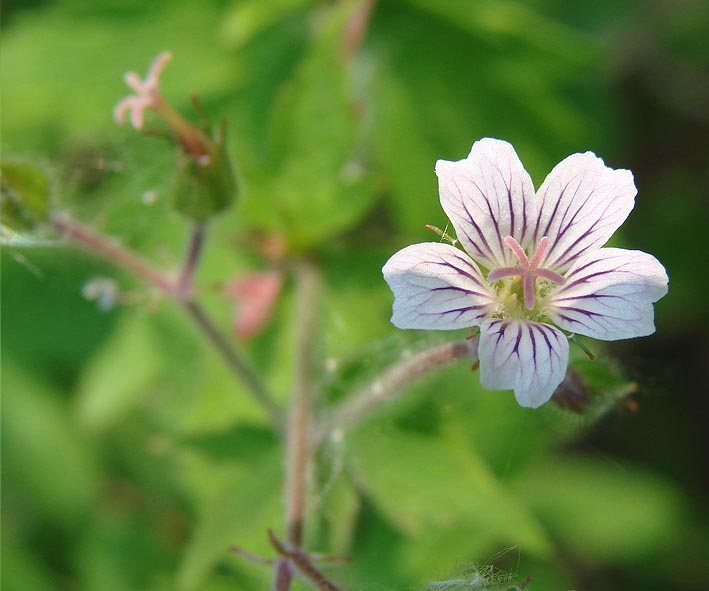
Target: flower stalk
{"points": [[393, 382], [298, 434], [100, 245]]}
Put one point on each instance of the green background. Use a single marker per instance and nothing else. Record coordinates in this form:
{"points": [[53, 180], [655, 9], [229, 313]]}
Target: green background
{"points": [[131, 460]]}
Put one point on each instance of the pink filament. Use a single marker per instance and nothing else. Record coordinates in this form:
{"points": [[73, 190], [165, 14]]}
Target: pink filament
{"points": [[528, 270]]}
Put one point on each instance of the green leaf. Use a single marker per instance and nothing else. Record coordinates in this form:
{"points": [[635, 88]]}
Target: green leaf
{"points": [[425, 484], [23, 569], [240, 512], [46, 459], [120, 375], [24, 195], [249, 18], [498, 21], [320, 186], [604, 512]]}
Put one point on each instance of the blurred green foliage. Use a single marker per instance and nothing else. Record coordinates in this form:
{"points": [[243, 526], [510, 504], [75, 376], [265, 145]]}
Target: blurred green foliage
{"points": [[131, 458]]}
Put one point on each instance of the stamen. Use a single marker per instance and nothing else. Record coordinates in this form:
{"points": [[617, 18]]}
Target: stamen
{"points": [[539, 253], [528, 270], [496, 274], [517, 249], [551, 276]]}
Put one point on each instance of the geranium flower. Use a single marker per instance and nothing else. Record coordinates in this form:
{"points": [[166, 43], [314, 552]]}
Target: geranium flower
{"points": [[535, 266]]}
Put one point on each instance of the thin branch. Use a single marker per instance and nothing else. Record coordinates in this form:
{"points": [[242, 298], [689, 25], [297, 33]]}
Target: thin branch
{"points": [[390, 384], [192, 256], [235, 361], [301, 561], [109, 250], [356, 28], [298, 444], [102, 246]]}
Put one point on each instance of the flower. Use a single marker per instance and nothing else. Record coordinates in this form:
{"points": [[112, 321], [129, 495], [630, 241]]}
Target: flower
{"points": [[205, 183], [147, 93], [535, 266], [148, 97]]}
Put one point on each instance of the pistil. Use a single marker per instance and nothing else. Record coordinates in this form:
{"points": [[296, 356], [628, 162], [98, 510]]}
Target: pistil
{"points": [[527, 270]]}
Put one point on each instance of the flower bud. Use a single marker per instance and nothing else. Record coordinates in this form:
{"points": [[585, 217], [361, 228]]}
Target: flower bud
{"points": [[205, 186]]}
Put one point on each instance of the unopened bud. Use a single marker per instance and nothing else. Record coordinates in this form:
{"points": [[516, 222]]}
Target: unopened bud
{"points": [[205, 186]]}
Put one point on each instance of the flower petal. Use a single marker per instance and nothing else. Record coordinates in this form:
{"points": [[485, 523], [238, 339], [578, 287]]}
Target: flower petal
{"points": [[527, 357], [581, 204], [488, 196], [436, 286], [608, 295]]}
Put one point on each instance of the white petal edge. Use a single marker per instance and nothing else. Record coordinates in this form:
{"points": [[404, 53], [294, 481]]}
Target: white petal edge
{"points": [[436, 287], [608, 295], [527, 357], [582, 202], [488, 196]]}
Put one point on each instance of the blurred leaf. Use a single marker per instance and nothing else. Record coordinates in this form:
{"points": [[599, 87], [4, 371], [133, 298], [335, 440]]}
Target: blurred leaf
{"points": [[240, 512], [241, 443], [604, 512], [24, 195], [120, 374], [320, 186], [424, 484], [248, 18], [45, 456], [500, 20], [337, 503], [49, 62], [23, 569]]}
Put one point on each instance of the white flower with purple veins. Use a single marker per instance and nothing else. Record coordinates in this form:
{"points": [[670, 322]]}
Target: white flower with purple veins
{"points": [[534, 267]]}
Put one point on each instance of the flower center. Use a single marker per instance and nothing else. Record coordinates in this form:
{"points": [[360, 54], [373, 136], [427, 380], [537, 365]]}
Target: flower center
{"points": [[527, 270]]}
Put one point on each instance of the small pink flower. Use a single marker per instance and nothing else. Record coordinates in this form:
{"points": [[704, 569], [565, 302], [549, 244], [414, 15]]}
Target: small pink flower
{"points": [[535, 266], [147, 93]]}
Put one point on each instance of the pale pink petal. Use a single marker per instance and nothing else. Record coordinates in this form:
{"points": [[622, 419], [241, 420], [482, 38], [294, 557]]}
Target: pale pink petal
{"points": [[581, 204], [527, 357], [609, 294], [437, 287], [256, 295], [488, 196]]}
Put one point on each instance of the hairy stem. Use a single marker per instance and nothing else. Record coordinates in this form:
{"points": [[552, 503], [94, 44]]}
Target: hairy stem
{"points": [[392, 383], [102, 246], [298, 444]]}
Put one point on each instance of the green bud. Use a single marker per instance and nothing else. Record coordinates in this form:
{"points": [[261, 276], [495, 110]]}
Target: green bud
{"points": [[24, 195], [206, 186]]}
